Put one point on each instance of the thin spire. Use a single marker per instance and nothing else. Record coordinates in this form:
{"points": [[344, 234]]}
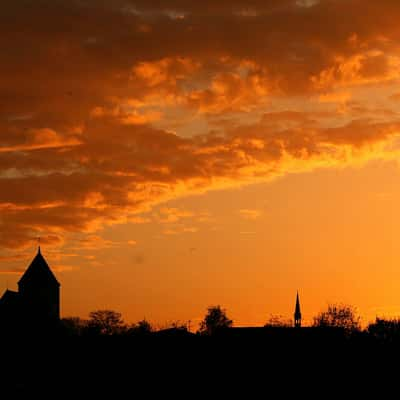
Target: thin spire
{"points": [[38, 244], [297, 312]]}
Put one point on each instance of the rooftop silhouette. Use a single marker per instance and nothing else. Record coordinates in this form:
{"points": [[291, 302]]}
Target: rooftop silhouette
{"points": [[38, 296]]}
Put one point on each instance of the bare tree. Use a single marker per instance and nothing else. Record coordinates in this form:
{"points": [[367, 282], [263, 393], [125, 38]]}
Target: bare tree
{"points": [[339, 316], [278, 321], [106, 322]]}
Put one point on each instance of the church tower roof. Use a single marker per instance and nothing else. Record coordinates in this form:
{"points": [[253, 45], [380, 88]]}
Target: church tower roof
{"points": [[38, 271]]}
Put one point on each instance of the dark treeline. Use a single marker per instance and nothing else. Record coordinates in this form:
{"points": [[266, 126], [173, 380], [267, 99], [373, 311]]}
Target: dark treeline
{"points": [[342, 319], [104, 356], [337, 322]]}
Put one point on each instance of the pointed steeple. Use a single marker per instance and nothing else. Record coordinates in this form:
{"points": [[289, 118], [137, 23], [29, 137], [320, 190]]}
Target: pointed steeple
{"points": [[39, 291], [297, 313], [38, 272]]}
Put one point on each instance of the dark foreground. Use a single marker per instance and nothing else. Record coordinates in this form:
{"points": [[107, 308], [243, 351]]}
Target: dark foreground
{"points": [[192, 366], [184, 366]]}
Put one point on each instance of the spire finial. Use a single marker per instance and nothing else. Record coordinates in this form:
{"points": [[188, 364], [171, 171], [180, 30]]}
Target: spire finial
{"points": [[38, 239]]}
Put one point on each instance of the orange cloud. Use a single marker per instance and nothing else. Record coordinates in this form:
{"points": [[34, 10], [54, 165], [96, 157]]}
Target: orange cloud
{"points": [[180, 230], [335, 97], [373, 66], [166, 70], [171, 215], [250, 214], [42, 139], [63, 268], [179, 98], [14, 257], [16, 271], [94, 242], [230, 92], [96, 196], [127, 116]]}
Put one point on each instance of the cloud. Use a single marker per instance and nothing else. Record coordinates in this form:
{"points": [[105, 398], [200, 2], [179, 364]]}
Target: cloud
{"points": [[16, 271], [63, 268], [114, 186], [127, 116], [335, 97], [13, 257], [373, 66], [94, 242], [180, 229], [42, 139], [250, 214], [98, 126], [172, 215], [240, 89], [166, 70]]}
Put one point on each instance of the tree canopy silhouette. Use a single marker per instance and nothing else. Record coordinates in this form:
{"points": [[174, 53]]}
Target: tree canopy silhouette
{"points": [[339, 316], [106, 322], [214, 320], [385, 330], [74, 325], [142, 327], [278, 321]]}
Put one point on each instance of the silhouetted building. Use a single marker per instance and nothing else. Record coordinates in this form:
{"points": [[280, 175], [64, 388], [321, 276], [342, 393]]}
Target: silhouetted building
{"points": [[297, 313], [38, 296], [10, 307]]}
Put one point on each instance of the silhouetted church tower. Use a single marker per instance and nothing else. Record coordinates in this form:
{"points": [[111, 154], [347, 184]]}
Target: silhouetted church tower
{"points": [[39, 291], [297, 313]]}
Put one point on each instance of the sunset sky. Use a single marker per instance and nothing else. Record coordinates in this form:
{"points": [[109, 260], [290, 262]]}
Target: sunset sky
{"points": [[175, 154]]}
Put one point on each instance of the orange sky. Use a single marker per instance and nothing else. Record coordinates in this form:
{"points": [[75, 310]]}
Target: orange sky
{"points": [[174, 154]]}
